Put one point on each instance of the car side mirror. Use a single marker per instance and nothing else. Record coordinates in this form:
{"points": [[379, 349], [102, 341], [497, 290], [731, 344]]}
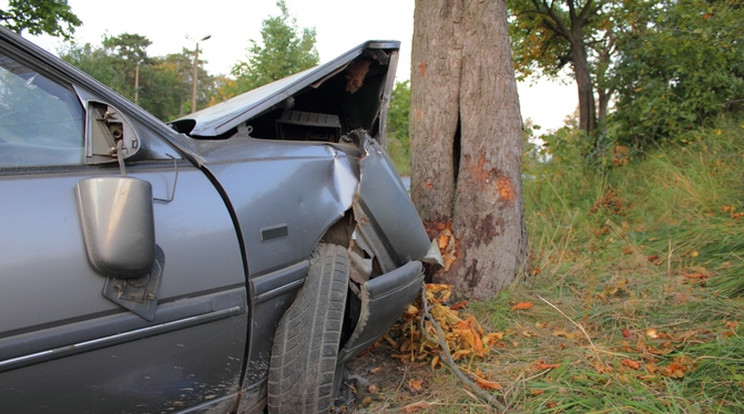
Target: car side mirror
{"points": [[118, 226]]}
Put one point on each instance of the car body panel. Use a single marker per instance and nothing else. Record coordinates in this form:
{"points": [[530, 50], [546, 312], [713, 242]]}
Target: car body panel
{"points": [[75, 325], [241, 194]]}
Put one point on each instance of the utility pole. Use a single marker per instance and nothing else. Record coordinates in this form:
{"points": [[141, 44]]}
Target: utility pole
{"points": [[136, 81], [195, 74]]}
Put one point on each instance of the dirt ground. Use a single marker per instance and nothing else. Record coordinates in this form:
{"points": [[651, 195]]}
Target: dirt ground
{"points": [[384, 384]]}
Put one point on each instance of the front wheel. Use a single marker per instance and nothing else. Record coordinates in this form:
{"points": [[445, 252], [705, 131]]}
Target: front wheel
{"points": [[305, 349]]}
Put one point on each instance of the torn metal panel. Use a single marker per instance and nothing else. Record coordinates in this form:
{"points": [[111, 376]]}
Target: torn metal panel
{"points": [[384, 208], [383, 299]]}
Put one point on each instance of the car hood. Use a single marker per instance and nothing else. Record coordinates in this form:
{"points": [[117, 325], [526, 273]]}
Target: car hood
{"points": [[218, 120]]}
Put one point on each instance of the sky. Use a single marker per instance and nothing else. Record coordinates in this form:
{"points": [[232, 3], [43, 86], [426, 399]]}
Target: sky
{"points": [[339, 25]]}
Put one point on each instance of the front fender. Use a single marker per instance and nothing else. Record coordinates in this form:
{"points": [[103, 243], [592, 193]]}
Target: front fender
{"points": [[383, 299], [384, 211]]}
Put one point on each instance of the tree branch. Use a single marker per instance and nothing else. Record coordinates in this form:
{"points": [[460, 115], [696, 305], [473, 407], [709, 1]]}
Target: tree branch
{"points": [[490, 399]]}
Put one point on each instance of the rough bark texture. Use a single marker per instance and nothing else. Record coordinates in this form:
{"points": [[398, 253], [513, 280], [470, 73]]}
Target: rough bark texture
{"points": [[466, 142]]}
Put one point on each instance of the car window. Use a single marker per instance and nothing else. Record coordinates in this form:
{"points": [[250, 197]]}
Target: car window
{"points": [[41, 121]]}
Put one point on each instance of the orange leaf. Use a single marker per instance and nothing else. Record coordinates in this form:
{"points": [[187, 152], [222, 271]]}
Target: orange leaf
{"points": [[536, 391], [541, 364], [632, 364], [412, 408], [522, 306], [674, 370], [486, 384], [459, 305], [626, 333], [493, 337], [416, 385]]}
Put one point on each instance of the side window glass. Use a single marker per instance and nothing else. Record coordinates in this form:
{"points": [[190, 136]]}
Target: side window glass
{"points": [[41, 121]]}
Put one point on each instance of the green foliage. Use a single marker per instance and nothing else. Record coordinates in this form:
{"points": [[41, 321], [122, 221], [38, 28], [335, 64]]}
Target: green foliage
{"points": [[126, 52], [397, 127], [547, 36], [164, 82], [537, 47], [92, 60], [53, 17], [283, 51], [685, 68]]}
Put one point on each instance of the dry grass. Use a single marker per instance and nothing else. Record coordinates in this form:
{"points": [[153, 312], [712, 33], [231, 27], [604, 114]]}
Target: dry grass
{"points": [[637, 297]]}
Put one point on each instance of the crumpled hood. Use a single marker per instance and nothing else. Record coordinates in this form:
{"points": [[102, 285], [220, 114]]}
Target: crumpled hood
{"points": [[221, 119]]}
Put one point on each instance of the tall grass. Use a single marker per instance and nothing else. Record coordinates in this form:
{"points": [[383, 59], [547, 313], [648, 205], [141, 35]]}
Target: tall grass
{"points": [[649, 258]]}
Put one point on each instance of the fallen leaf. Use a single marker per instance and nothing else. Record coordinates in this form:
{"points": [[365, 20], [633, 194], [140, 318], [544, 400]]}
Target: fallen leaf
{"points": [[435, 361], [375, 370], [536, 392], [626, 333], [487, 384], [459, 305], [522, 306], [372, 389], [651, 367], [461, 353], [651, 333], [412, 408], [390, 341], [674, 370], [492, 338], [632, 364], [416, 385], [541, 364]]}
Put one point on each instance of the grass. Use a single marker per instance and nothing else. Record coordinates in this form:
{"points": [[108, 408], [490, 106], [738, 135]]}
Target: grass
{"points": [[641, 269]]}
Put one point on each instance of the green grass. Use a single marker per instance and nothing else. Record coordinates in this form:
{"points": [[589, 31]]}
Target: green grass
{"points": [[649, 259], [641, 268]]}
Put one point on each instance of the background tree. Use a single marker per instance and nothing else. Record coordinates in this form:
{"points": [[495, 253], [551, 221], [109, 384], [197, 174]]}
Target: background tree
{"points": [[686, 67], [397, 127], [466, 142], [127, 51], [548, 35], [284, 50], [164, 82], [53, 17]]}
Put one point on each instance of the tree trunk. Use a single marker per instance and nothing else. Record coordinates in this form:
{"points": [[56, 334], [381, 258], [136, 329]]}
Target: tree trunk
{"points": [[587, 109], [466, 143]]}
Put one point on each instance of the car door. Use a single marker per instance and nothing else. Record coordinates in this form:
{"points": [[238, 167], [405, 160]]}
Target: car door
{"points": [[77, 337]]}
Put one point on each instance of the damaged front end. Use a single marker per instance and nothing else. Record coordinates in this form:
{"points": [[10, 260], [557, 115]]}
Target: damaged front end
{"points": [[386, 250], [301, 161]]}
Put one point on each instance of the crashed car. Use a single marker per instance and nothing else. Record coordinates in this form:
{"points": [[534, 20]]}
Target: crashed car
{"points": [[236, 258]]}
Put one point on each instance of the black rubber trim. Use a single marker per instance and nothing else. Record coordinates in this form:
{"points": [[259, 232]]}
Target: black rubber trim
{"points": [[281, 281]]}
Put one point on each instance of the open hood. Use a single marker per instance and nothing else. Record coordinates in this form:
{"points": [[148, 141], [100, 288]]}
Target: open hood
{"points": [[351, 91]]}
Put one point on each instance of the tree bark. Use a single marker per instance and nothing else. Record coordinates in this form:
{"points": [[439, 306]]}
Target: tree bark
{"points": [[466, 143], [587, 108]]}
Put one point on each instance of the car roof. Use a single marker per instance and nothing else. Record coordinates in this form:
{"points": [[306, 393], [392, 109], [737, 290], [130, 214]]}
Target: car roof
{"points": [[223, 117]]}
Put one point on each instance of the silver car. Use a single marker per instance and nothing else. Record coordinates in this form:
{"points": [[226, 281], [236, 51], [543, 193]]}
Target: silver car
{"points": [[236, 258]]}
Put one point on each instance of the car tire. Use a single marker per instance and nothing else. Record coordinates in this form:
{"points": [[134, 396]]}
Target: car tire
{"points": [[306, 342]]}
